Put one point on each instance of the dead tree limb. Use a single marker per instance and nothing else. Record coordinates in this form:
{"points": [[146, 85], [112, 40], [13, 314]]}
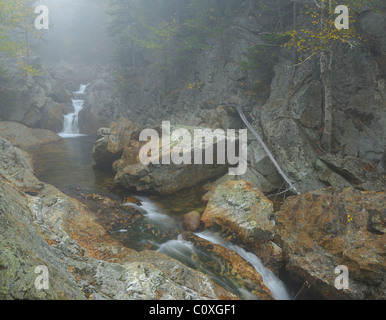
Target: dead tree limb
{"points": [[271, 157]]}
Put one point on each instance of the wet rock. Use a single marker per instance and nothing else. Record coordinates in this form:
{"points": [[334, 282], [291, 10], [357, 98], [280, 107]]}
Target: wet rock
{"points": [[126, 222], [140, 281], [191, 221], [158, 277], [231, 265], [100, 104], [52, 115], [111, 142], [239, 207], [359, 173], [323, 229]]}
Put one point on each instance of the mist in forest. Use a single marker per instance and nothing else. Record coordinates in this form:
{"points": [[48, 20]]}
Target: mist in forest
{"points": [[77, 33]]}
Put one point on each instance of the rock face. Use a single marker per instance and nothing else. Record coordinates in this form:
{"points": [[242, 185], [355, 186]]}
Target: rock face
{"points": [[41, 101], [25, 99], [292, 118], [324, 229], [82, 260], [238, 206], [356, 172], [101, 104]]}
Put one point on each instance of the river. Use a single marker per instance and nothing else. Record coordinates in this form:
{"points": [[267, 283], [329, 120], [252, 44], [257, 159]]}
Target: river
{"points": [[67, 165]]}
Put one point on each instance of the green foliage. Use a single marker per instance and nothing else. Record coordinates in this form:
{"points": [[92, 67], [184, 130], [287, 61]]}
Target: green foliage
{"points": [[175, 30], [261, 59], [16, 18]]}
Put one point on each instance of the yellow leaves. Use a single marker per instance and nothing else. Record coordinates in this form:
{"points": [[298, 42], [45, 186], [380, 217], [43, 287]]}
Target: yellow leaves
{"points": [[15, 15], [191, 86], [29, 69], [321, 33], [194, 85]]}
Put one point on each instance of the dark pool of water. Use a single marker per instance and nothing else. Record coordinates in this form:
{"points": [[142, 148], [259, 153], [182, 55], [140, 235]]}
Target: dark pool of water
{"points": [[68, 163]]}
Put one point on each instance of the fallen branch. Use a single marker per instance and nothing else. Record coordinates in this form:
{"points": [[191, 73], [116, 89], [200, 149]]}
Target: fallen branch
{"points": [[271, 157]]}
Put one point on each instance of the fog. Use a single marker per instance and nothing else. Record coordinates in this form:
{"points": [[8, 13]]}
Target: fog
{"points": [[77, 33]]}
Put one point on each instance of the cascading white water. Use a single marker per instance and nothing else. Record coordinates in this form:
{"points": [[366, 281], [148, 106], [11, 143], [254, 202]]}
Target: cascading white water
{"points": [[274, 284], [183, 250], [153, 213], [70, 121]]}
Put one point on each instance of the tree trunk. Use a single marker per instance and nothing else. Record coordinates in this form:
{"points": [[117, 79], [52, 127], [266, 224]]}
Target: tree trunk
{"points": [[178, 12], [324, 73], [294, 23], [133, 56], [27, 46]]}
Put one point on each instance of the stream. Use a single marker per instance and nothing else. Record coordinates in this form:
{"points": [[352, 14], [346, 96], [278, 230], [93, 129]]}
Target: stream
{"points": [[67, 165]]}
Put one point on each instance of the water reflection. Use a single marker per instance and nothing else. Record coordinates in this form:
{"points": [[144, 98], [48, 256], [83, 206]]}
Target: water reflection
{"points": [[69, 163]]}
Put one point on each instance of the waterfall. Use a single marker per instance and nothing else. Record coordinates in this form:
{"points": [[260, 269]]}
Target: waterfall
{"points": [[152, 212], [71, 121], [275, 285], [183, 251]]}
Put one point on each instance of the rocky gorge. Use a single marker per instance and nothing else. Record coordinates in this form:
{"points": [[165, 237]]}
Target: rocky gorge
{"points": [[85, 238]]}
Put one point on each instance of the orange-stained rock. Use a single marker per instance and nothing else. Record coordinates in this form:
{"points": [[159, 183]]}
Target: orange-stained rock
{"points": [[239, 207], [191, 221], [232, 266], [323, 229]]}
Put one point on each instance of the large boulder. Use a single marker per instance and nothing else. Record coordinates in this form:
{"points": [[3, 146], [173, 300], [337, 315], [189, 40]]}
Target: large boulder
{"points": [[168, 178], [111, 142], [324, 229], [241, 208]]}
